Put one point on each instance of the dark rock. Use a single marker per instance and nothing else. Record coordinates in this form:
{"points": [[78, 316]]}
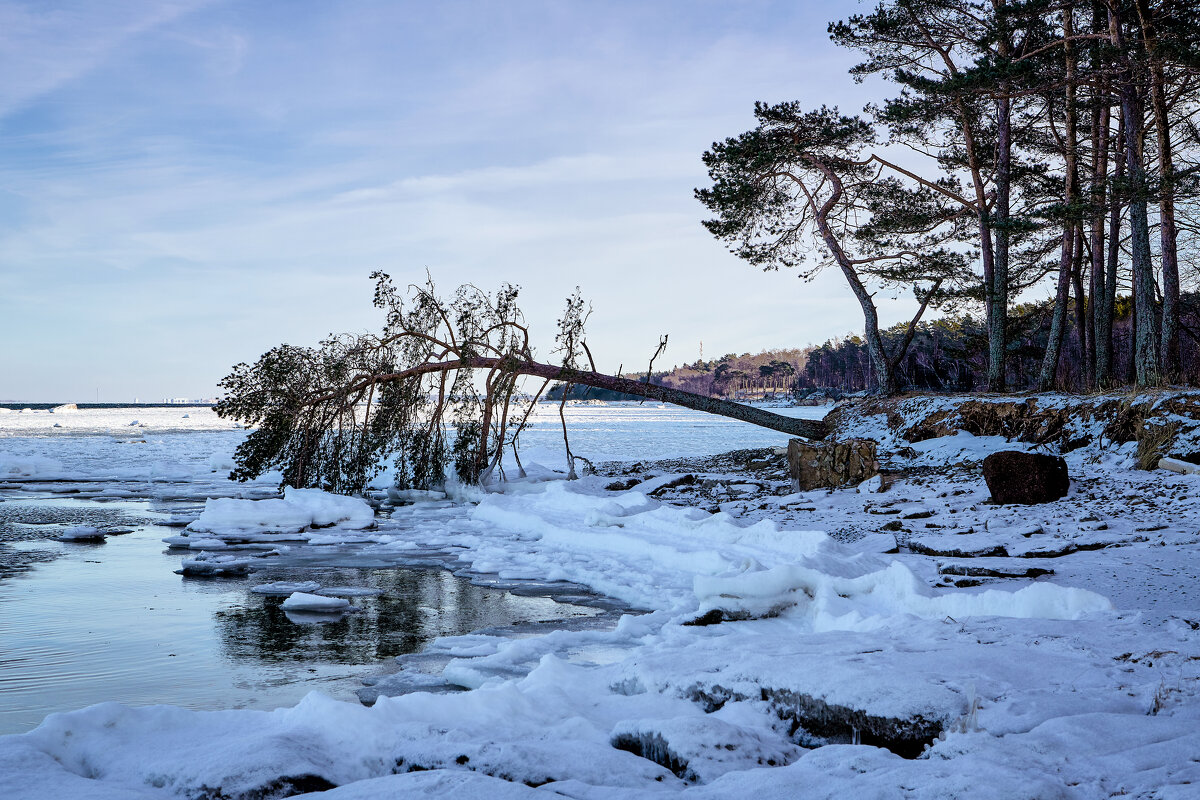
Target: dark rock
{"points": [[1016, 477], [820, 723], [1002, 570], [821, 465], [686, 480], [713, 616], [654, 747]]}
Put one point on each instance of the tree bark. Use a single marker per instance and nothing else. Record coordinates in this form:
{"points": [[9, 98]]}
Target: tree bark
{"points": [[1169, 348], [1098, 349], [1146, 362], [1048, 378], [1105, 368]]}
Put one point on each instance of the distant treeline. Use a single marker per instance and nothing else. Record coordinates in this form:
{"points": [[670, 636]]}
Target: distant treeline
{"points": [[948, 354], [578, 392], [951, 354], [747, 375]]}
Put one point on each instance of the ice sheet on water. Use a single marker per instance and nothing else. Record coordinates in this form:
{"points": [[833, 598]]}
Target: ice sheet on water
{"points": [[859, 632], [82, 533], [285, 588], [303, 601]]}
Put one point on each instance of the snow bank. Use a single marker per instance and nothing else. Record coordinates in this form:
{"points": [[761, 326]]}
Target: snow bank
{"points": [[834, 601]]}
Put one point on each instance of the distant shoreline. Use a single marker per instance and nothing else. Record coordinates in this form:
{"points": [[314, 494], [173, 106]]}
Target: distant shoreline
{"points": [[81, 406]]}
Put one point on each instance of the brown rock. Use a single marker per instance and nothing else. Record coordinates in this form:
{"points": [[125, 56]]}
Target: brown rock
{"points": [[818, 465], [1016, 477]]}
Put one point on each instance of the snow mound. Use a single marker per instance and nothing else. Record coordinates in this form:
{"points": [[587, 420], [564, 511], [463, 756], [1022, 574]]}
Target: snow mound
{"points": [[846, 601], [297, 510]]}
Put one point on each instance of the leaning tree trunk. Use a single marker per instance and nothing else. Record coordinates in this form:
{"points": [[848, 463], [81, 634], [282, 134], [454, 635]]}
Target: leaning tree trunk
{"points": [[807, 428]]}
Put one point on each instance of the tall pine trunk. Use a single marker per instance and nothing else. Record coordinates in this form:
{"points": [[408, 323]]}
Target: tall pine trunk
{"points": [[1169, 346], [1100, 350], [1047, 379], [1146, 362]]}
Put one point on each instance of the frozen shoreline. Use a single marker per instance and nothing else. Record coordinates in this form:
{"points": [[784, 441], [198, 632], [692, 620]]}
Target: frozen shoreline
{"points": [[1081, 683]]}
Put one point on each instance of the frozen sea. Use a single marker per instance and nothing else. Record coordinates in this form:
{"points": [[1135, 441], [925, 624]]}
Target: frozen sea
{"points": [[704, 637], [82, 623]]}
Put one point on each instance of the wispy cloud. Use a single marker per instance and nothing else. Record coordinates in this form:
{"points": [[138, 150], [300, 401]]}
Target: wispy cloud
{"points": [[218, 177], [44, 46]]}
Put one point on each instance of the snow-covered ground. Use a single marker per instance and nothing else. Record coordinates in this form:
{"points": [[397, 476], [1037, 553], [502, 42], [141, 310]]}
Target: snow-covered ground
{"points": [[834, 666]]}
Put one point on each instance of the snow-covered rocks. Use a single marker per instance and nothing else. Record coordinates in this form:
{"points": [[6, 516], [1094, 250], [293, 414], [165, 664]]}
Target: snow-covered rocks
{"points": [[871, 485]]}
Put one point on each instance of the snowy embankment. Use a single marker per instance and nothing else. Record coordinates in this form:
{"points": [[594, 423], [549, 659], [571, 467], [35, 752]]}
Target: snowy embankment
{"points": [[834, 667]]}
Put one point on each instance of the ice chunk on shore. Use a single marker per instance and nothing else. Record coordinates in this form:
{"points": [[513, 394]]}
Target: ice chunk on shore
{"points": [[303, 601]]}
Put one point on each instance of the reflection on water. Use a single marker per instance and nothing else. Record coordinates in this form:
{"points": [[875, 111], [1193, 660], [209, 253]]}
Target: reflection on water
{"points": [[113, 622], [416, 606]]}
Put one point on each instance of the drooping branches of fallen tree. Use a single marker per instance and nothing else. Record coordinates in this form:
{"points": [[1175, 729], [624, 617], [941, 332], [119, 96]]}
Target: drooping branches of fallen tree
{"points": [[331, 416]]}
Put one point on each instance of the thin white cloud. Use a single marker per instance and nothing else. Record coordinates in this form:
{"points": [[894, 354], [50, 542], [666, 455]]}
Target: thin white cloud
{"points": [[44, 46]]}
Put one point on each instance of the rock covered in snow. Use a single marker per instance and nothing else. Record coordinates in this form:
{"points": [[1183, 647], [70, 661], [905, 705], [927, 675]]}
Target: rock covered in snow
{"points": [[871, 485]]}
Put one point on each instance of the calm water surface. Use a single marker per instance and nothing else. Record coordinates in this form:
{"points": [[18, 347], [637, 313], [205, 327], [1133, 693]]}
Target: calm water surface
{"points": [[112, 621], [81, 624]]}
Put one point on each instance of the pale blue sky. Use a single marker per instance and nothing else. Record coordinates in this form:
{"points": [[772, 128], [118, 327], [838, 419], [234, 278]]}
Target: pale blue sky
{"points": [[185, 184]]}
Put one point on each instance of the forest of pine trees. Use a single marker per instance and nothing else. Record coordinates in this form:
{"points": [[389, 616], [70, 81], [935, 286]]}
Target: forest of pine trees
{"points": [[1032, 147]]}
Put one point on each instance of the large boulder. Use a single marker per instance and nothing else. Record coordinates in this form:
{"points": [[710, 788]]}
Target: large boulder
{"points": [[1016, 477], [818, 465]]}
